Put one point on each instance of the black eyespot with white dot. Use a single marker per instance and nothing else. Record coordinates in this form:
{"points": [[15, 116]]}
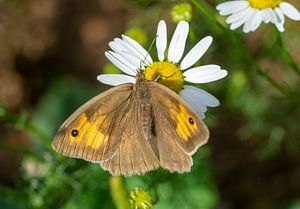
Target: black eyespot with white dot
{"points": [[74, 133], [191, 120]]}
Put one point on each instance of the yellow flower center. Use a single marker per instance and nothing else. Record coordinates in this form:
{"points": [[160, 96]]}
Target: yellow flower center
{"points": [[264, 4], [167, 74]]}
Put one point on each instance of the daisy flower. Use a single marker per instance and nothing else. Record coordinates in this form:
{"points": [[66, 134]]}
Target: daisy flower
{"points": [[251, 13], [171, 71]]}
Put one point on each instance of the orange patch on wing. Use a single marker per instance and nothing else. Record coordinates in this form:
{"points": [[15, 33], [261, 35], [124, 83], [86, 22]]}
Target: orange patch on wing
{"points": [[184, 128], [90, 131], [81, 123], [94, 131], [97, 138]]}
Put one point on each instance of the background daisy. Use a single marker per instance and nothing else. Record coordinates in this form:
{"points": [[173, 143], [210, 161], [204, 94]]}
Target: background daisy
{"points": [[251, 13], [172, 71]]}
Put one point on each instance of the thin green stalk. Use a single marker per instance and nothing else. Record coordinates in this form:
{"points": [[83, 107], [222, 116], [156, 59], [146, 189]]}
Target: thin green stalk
{"points": [[192, 36], [119, 192], [288, 58], [206, 12], [288, 94], [155, 194], [209, 14]]}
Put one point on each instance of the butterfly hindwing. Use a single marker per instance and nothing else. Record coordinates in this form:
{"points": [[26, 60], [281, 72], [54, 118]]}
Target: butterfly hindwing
{"points": [[171, 156], [181, 123]]}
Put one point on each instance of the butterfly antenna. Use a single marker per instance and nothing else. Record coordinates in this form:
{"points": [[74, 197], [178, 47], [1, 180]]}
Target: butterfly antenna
{"points": [[159, 76], [133, 70], [169, 75], [148, 52]]}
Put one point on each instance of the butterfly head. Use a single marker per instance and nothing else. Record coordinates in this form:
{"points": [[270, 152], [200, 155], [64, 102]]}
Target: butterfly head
{"points": [[140, 77]]}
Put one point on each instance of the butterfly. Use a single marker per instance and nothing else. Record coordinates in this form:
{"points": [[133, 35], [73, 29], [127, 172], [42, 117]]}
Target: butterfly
{"points": [[134, 128]]}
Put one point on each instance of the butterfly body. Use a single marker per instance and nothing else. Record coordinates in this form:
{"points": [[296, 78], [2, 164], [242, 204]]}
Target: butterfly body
{"points": [[132, 129], [143, 94]]}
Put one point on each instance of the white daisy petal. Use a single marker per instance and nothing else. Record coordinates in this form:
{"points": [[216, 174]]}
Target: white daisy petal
{"points": [[236, 16], [227, 4], [204, 74], [232, 7], [273, 16], [177, 43], [121, 63], [138, 63], [122, 47], [279, 15], [202, 115], [115, 79], [161, 39], [257, 20], [116, 47], [279, 19], [267, 15], [196, 52], [290, 11], [242, 20], [236, 25], [203, 96], [194, 100], [280, 27], [250, 21], [143, 52]]}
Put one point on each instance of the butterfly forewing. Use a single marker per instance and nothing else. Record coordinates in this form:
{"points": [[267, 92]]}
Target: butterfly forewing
{"points": [[93, 131]]}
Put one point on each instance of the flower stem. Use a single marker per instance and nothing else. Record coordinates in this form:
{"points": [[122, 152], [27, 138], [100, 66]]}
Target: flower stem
{"points": [[288, 58], [284, 91], [192, 36], [119, 192]]}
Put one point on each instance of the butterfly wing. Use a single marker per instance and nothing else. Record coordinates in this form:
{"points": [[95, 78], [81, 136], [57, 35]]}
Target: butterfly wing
{"points": [[136, 155], [171, 156], [93, 131], [179, 129]]}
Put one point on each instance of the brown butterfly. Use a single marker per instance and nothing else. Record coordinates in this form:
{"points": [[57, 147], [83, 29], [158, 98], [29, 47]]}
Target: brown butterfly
{"points": [[134, 128]]}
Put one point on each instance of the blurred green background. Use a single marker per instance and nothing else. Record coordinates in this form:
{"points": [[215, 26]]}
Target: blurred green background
{"points": [[50, 54]]}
